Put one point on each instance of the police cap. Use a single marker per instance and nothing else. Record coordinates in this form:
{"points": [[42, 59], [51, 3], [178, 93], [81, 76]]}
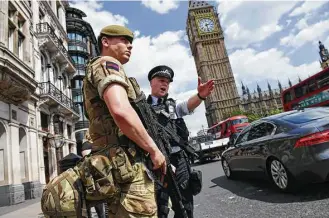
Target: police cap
{"points": [[116, 30], [161, 71]]}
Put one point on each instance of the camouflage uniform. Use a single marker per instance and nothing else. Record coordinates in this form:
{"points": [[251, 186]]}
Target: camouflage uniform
{"points": [[137, 198]]}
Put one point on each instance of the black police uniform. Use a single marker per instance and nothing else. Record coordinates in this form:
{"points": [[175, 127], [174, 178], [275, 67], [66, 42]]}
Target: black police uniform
{"points": [[166, 109]]}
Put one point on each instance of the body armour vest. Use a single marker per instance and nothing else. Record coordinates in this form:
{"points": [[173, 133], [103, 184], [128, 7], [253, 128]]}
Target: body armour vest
{"points": [[101, 72], [167, 116]]}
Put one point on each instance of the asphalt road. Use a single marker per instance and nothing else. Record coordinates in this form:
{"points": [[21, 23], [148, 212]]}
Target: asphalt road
{"points": [[221, 197]]}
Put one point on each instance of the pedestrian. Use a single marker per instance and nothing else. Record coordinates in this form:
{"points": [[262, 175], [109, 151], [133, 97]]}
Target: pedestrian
{"points": [[107, 90], [160, 78]]}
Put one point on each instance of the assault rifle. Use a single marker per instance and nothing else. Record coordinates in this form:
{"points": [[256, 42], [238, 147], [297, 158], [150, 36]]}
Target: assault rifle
{"points": [[161, 139]]}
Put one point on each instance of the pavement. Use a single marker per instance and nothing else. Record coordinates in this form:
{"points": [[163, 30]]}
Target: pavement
{"points": [[223, 198]]}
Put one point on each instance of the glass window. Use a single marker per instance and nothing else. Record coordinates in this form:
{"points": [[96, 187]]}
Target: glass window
{"points": [[76, 84], [20, 45], [75, 59], [287, 97], [239, 121], [323, 80], [81, 60], [261, 130], [78, 37], [71, 36], [82, 72], [312, 86], [77, 98], [243, 136], [80, 48], [300, 91], [72, 47]]}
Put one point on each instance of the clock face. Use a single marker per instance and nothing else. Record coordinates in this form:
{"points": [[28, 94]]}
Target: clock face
{"points": [[206, 25]]}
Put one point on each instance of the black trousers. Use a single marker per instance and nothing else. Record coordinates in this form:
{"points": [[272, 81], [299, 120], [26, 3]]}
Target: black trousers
{"points": [[180, 161], [101, 210]]}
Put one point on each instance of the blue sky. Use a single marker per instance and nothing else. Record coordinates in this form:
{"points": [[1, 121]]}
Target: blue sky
{"points": [[266, 40]]}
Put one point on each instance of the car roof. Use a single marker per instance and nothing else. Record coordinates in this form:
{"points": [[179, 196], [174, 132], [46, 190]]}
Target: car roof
{"points": [[288, 113]]}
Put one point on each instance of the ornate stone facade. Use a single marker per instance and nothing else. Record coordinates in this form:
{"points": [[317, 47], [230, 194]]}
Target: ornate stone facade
{"points": [[36, 109], [261, 102]]}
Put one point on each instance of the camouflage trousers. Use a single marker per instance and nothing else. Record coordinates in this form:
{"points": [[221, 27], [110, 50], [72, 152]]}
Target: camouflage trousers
{"points": [[137, 198]]}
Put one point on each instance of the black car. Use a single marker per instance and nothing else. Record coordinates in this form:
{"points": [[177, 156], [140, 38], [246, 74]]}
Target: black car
{"points": [[288, 147]]}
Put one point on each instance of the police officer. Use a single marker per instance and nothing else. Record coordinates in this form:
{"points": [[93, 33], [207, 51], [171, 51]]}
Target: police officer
{"points": [[160, 77], [106, 90]]}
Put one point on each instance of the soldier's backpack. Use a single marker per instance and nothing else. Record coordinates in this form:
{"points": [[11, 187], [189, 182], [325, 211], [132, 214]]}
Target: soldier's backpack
{"points": [[94, 180], [63, 196]]}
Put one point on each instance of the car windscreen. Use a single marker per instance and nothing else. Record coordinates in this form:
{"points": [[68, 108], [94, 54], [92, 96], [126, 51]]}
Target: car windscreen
{"points": [[238, 121], [306, 116]]}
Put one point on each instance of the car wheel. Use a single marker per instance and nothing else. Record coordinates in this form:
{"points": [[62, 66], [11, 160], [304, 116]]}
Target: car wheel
{"points": [[227, 170], [280, 175]]}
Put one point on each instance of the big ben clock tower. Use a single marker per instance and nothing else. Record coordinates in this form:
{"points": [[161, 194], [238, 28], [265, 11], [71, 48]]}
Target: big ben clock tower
{"points": [[208, 48]]}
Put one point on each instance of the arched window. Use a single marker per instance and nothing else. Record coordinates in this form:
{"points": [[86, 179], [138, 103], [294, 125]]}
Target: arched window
{"points": [[44, 70], [55, 75]]}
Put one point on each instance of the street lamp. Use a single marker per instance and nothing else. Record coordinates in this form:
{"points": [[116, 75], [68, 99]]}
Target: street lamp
{"points": [[55, 141]]}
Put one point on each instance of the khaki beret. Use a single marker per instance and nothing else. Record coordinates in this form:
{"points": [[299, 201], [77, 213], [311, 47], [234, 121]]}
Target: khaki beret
{"points": [[116, 30]]}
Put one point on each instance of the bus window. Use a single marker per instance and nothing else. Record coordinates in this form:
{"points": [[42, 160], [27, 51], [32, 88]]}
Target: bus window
{"points": [[300, 91], [287, 97], [312, 86], [323, 80]]}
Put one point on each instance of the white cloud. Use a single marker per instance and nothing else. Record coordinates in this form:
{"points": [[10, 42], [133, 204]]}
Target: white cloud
{"points": [[97, 16], [302, 23], [161, 6], [252, 66], [307, 7], [168, 49], [308, 34], [250, 22]]}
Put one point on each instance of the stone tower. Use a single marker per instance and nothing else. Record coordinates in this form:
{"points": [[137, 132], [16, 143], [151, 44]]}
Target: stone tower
{"points": [[206, 40], [324, 55]]}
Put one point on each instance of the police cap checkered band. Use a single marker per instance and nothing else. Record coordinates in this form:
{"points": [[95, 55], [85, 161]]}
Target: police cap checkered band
{"points": [[161, 71]]}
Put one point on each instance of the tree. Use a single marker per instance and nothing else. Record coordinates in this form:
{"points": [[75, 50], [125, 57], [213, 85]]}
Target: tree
{"points": [[253, 116]]}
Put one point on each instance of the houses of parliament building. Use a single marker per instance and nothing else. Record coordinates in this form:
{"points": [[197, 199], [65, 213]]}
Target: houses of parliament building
{"points": [[206, 39]]}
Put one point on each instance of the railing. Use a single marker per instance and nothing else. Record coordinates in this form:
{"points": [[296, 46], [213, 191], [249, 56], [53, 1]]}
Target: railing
{"points": [[47, 88], [46, 28], [81, 124]]}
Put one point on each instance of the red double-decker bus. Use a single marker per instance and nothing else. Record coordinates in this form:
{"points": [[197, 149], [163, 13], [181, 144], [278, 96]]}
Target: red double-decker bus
{"points": [[311, 92]]}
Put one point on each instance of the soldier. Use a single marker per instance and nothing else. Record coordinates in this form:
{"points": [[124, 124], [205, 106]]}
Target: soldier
{"points": [[160, 77], [106, 90]]}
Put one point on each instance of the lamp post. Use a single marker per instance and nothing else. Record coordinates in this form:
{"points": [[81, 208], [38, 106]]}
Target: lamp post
{"points": [[57, 142]]}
